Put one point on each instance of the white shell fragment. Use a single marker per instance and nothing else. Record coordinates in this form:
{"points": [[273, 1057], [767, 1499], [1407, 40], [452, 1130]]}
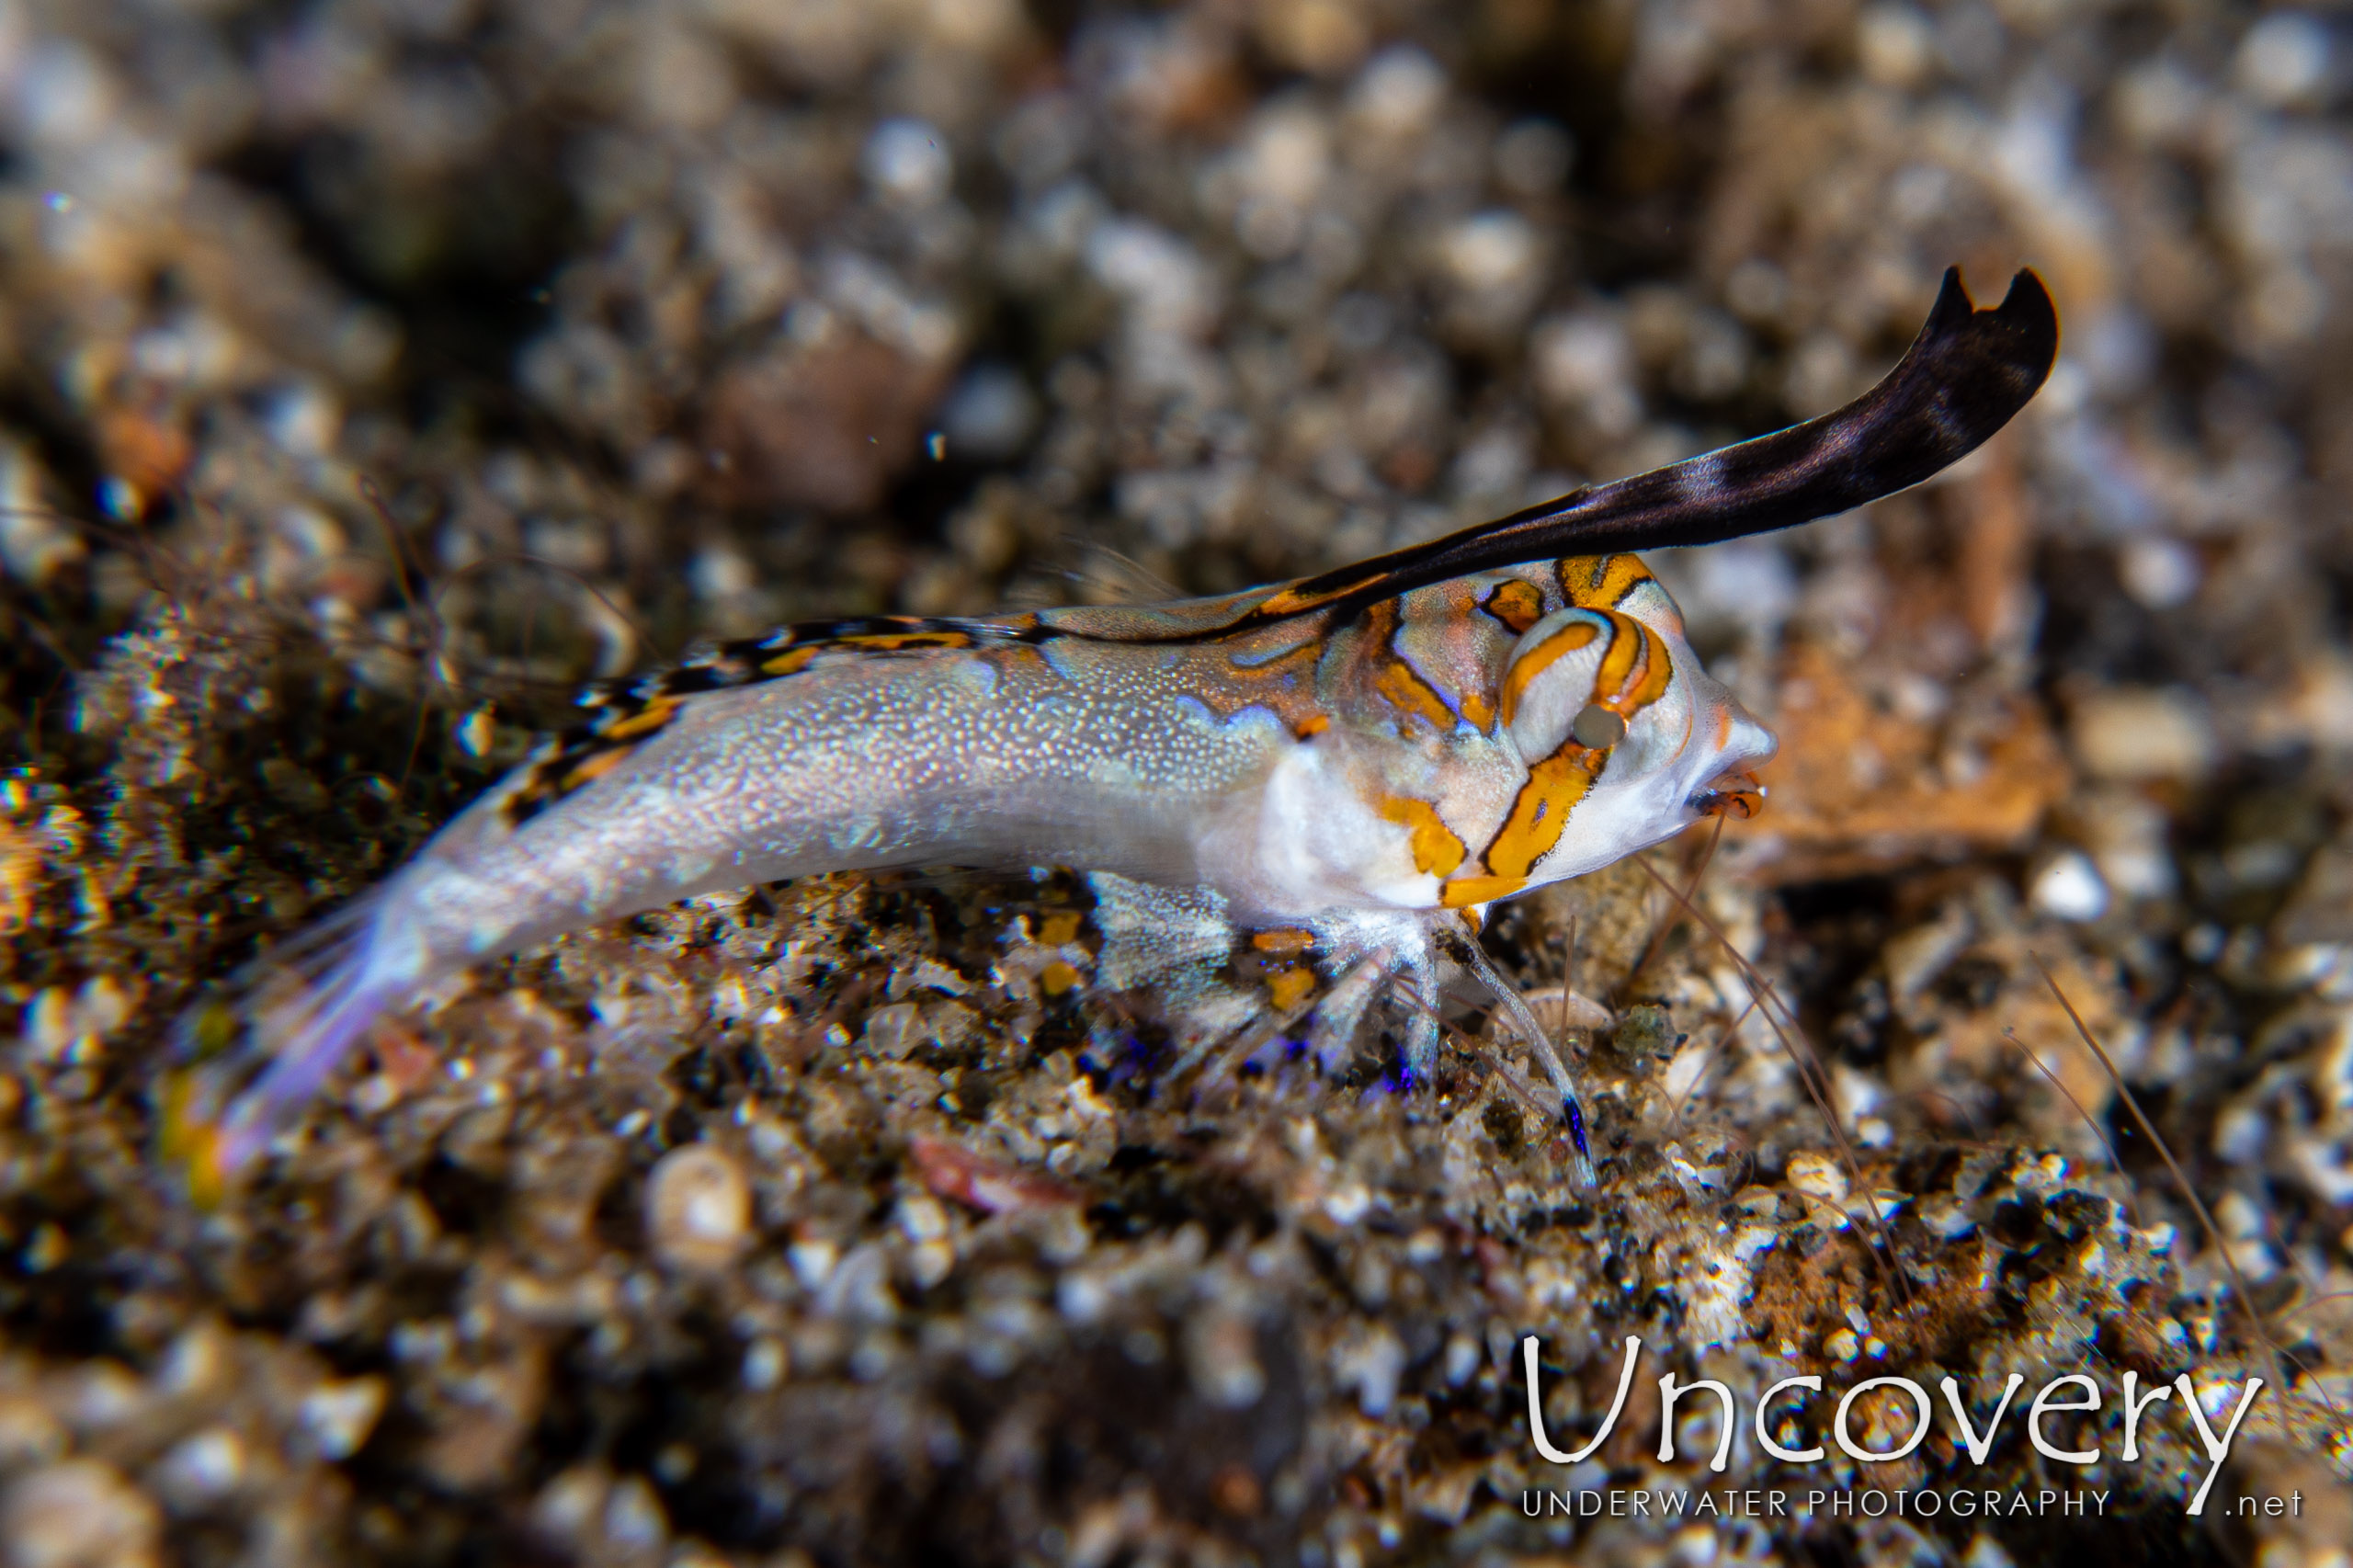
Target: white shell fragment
{"points": [[2068, 886], [697, 1209]]}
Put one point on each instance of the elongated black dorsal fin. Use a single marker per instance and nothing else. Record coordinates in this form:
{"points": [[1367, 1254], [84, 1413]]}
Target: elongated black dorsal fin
{"points": [[1966, 374]]}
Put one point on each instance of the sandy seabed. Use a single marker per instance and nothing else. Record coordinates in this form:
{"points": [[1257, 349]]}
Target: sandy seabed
{"points": [[372, 375]]}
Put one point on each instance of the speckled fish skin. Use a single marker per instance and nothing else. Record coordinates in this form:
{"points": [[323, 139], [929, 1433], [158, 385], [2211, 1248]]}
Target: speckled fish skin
{"points": [[1367, 757], [1286, 770]]}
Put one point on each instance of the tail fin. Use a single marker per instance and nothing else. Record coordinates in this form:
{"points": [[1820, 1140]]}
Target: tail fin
{"points": [[246, 1060]]}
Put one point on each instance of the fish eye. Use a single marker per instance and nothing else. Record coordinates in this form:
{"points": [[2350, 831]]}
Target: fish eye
{"points": [[1597, 681], [1598, 727]]}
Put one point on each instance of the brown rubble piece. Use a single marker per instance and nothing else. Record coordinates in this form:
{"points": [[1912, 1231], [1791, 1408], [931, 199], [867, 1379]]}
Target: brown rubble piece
{"points": [[827, 426], [1859, 787]]}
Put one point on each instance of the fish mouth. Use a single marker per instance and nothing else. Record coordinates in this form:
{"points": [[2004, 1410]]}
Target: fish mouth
{"points": [[1738, 794]]}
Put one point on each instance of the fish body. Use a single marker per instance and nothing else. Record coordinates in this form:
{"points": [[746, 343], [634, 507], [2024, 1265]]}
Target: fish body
{"points": [[1295, 772], [1368, 758]]}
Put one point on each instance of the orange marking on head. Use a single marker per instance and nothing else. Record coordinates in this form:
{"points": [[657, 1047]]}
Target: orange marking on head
{"points": [[1601, 582], [1524, 670], [1437, 849], [1410, 693], [1516, 603], [1539, 812], [1464, 892], [1616, 684], [1633, 673], [1616, 671], [1658, 669], [1286, 939], [1311, 726], [1395, 680]]}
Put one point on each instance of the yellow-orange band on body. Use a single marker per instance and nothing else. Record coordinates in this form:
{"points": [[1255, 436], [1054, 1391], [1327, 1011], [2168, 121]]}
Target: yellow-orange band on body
{"points": [[647, 719], [1540, 812], [1464, 892], [1436, 847]]}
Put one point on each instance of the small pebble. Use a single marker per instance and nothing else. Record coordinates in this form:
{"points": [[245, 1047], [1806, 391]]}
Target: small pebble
{"points": [[1984, 1552], [931, 1262], [766, 1364], [1818, 1176], [813, 1261], [697, 1209], [202, 1469], [635, 1519], [895, 1031], [30, 1434], [339, 1416], [1220, 1351], [567, 1506], [922, 1218], [49, 1023], [2068, 886], [78, 1513], [2133, 733], [1461, 1361]]}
